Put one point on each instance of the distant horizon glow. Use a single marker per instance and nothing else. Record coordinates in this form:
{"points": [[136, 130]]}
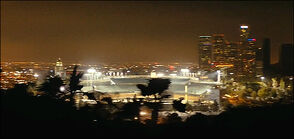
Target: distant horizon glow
{"points": [[116, 32]]}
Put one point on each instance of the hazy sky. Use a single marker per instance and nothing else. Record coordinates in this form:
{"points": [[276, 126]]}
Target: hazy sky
{"points": [[163, 31]]}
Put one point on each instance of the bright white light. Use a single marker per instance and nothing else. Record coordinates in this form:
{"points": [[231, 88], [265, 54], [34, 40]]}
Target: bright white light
{"points": [[244, 27], [91, 70], [231, 73], [62, 88], [262, 78], [172, 74], [291, 78], [160, 74], [128, 71], [143, 113], [185, 70], [208, 90], [218, 71], [36, 75]]}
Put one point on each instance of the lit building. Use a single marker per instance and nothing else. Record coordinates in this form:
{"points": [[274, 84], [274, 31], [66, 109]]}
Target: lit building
{"points": [[259, 62], [231, 56], [59, 70], [247, 53], [218, 46], [205, 52]]}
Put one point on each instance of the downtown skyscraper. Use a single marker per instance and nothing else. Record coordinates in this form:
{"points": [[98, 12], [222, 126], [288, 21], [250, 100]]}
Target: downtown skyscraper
{"points": [[205, 52], [237, 58], [247, 49]]}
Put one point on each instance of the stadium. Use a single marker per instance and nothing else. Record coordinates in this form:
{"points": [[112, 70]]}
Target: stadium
{"points": [[125, 87]]}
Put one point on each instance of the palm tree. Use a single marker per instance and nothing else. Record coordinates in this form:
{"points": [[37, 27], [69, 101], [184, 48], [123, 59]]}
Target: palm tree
{"points": [[75, 80], [155, 87], [51, 86]]}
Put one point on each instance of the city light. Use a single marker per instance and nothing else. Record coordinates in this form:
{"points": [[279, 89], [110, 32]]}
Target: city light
{"points": [[61, 88], [262, 78], [143, 113], [36, 75], [244, 27]]}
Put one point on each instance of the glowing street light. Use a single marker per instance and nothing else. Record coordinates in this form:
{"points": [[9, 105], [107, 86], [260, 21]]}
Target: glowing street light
{"points": [[262, 78], [143, 113], [61, 88]]}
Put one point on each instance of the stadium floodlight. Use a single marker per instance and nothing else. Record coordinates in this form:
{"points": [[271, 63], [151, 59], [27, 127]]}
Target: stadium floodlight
{"points": [[91, 70], [185, 70]]}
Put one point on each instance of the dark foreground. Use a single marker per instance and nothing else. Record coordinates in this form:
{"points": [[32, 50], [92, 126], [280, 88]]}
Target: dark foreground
{"points": [[27, 116]]}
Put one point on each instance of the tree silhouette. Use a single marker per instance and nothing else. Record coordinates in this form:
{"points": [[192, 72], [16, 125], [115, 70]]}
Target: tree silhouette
{"points": [[155, 87], [51, 86], [179, 106], [75, 79]]}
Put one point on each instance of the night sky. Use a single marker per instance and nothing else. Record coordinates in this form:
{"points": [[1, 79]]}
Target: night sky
{"points": [[95, 32]]}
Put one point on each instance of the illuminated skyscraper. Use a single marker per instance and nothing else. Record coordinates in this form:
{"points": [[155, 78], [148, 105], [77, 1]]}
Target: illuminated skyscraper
{"points": [[59, 70], [205, 52], [218, 46], [247, 51], [231, 56]]}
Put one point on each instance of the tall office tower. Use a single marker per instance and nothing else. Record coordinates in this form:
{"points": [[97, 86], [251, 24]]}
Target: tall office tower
{"points": [[59, 71], [259, 62], [247, 53], [205, 52], [266, 55], [218, 45], [231, 56], [286, 59]]}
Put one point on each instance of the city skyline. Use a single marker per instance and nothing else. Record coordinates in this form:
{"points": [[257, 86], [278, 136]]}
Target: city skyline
{"points": [[98, 32]]}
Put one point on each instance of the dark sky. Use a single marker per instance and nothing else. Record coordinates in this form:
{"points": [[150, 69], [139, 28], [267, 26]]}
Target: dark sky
{"points": [[93, 31]]}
